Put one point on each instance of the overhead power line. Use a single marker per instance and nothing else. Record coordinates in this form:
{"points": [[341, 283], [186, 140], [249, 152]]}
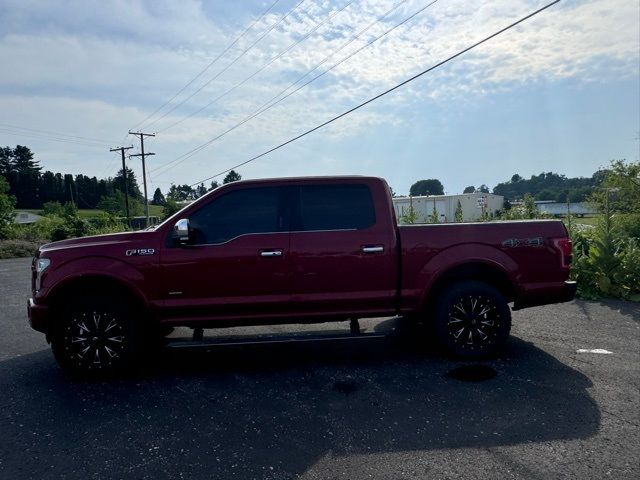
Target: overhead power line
{"points": [[351, 110], [229, 65], [246, 79], [283, 95], [209, 65], [53, 136]]}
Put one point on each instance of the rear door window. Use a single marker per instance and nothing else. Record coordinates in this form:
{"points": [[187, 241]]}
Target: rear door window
{"points": [[335, 207]]}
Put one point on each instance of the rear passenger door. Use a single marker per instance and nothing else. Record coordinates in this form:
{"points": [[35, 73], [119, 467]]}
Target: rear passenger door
{"points": [[342, 256]]}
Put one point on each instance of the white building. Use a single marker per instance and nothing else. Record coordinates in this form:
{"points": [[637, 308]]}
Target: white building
{"points": [[473, 205], [26, 218]]}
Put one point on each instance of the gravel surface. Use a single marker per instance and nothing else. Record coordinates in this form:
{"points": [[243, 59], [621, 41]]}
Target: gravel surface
{"points": [[371, 408]]}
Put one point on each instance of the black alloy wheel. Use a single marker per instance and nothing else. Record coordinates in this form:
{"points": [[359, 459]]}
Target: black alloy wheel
{"points": [[473, 320], [94, 338]]}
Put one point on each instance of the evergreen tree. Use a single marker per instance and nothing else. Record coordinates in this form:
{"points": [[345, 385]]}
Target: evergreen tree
{"points": [[25, 178], [201, 190], [23, 161], [458, 213], [232, 176], [158, 197], [132, 184], [433, 217], [6, 162], [409, 216]]}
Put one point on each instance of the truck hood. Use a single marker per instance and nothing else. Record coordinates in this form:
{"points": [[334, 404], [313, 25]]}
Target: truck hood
{"points": [[97, 240]]}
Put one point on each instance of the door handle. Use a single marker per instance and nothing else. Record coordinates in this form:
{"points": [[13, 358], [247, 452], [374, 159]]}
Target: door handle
{"points": [[271, 253], [373, 249]]}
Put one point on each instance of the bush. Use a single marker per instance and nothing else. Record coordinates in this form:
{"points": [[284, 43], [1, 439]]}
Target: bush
{"points": [[170, 207], [606, 261], [106, 223], [71, 227], [7, 202], [39, 231], [17, 248]]}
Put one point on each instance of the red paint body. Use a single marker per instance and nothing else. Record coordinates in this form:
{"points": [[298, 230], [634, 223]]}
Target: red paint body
{"points": [[319, 275]]}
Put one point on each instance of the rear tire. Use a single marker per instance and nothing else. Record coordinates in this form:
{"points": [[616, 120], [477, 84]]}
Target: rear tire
{"points": [[472, 320], [95, 335]]}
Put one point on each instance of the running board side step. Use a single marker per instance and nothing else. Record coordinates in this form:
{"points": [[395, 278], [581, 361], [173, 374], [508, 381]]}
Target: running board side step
{"points": [[291, 339]]}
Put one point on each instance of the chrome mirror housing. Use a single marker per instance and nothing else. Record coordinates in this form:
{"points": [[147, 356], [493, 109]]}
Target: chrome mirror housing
{"points": [[181, 231]]}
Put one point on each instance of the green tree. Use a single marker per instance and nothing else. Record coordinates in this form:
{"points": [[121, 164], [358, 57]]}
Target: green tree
{"points": [[232, 176], [430, 186], [132, 183], [433, 216], [410, 215], [114, 204], [6, 162], [200, 190], [7, 204], [158, 197], [214, 185], [458, 213], [529, 207], [181, 193], [53, 208], [483, 188], [170, 207], [24, 175], [469, 189], [624, 178]]}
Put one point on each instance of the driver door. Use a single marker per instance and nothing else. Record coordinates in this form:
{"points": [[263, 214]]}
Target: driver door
{"points": [[237, 261]]}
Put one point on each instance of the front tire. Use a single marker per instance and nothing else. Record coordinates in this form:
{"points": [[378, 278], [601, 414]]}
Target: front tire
{"points": [[95, 336], [472, 320]]}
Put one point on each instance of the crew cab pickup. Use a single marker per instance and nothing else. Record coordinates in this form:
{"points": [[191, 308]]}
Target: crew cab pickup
{"points": [[295, 250]]}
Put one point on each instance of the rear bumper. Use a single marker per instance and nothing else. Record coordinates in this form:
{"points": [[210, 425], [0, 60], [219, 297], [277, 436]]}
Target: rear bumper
{"points": [[547, 296], [37, 316]]}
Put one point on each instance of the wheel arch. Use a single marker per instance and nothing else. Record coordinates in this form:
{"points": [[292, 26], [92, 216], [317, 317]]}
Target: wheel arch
{"points": [[474, 270], [93, 284]]}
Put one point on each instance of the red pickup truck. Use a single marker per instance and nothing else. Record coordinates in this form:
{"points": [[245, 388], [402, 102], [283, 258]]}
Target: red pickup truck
{"points": [[296, 250]]}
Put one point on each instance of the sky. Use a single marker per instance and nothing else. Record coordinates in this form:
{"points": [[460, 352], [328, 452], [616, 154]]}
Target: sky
{"points": [[560, 92]]}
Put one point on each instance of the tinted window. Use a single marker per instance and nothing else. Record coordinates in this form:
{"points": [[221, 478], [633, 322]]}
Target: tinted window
{"points": [[250, 210], [336, 207]]}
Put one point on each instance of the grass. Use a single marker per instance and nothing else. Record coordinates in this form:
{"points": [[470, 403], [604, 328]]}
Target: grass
{"points": [[593, 221]]}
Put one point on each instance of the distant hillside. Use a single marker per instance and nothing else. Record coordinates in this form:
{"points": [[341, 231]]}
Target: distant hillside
{"points": [[550, 186]]}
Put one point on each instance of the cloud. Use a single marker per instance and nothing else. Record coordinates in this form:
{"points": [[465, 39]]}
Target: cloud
{"points": [[100, 68]]}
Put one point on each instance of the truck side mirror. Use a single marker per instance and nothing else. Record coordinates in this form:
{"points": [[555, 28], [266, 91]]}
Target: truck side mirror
{"points": [[181, 233]]}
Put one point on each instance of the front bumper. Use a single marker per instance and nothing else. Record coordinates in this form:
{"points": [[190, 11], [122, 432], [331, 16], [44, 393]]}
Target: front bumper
{"points": [[38, 315], [547, 296]]}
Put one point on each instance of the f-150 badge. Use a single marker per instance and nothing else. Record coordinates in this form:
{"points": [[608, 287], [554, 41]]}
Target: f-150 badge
{"points": [[139, 252]]}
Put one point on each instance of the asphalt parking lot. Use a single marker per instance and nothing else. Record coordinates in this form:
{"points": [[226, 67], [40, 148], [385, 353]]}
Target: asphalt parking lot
{"points": [[371, 408]]}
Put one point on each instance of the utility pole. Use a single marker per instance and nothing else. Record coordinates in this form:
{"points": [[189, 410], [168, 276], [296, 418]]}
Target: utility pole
{"points": [[144, 171], [124, 175]]}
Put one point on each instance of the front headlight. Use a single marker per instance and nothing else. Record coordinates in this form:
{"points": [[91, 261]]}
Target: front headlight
{"points": [[41, 265]]}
